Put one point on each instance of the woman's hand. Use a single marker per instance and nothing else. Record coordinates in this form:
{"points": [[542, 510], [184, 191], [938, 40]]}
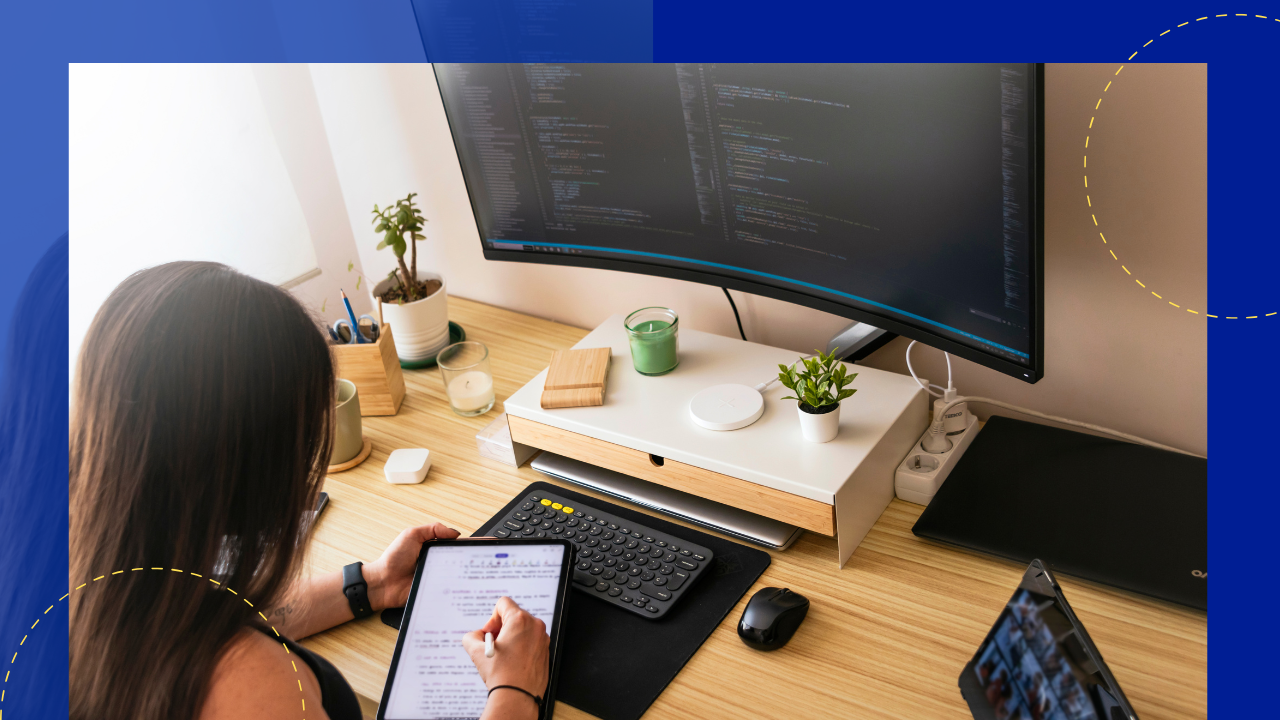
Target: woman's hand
{"points": [[521, 649], [390, 576]]}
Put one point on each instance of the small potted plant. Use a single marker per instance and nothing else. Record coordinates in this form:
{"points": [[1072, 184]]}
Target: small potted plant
{"points": [[818, 388], [414, 304]]}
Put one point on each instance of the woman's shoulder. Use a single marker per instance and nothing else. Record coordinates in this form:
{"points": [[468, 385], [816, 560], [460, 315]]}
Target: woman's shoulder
{"points": [[256, 677]]}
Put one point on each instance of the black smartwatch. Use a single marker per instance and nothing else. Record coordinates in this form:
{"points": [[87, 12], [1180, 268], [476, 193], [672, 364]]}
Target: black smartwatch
{"points": [[356, 590]]}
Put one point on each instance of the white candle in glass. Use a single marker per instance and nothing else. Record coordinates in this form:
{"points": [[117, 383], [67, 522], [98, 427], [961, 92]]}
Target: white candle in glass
{"points": [[471, 391]]}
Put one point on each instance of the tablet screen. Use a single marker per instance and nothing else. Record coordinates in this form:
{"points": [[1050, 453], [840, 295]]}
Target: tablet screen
{"points": [[1038, 663], [460, 584]]}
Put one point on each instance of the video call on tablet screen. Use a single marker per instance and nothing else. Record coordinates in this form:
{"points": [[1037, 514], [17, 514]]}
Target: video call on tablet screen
{"points": [[435, 677], [1033, 666]]}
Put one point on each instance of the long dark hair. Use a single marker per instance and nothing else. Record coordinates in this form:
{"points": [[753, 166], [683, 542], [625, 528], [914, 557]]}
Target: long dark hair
{"points": [[200, 434]]}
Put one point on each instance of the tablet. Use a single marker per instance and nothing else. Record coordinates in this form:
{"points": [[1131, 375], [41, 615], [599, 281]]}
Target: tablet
{"points": [[1038, 662], [455, 587]]}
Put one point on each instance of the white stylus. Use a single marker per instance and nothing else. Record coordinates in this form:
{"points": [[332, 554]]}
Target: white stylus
{"points": [[488, 644]]}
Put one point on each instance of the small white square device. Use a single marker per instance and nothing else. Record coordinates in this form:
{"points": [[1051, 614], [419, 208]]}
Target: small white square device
{"points": [[407, 466]]}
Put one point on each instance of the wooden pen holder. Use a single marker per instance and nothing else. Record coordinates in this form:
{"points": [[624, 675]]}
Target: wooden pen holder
{"points": [[375, 370]]}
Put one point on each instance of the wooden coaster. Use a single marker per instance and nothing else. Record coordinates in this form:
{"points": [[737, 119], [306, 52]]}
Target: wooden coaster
{"points": [[576, 378], [359, 458]]}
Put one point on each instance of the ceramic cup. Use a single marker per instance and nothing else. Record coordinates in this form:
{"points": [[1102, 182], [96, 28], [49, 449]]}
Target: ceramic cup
{"points": [[348, 433]]}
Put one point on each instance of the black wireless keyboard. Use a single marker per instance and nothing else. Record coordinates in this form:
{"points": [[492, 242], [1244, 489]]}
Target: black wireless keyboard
{"points": [[629, 565]]}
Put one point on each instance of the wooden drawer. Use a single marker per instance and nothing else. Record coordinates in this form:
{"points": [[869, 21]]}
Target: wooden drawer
{"points": [[803, 512]]}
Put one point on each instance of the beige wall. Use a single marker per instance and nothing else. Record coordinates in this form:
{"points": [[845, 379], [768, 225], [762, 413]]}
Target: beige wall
{"points": [[1115, 355]]}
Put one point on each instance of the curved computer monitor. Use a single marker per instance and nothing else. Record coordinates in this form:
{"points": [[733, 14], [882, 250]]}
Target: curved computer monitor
{"points": [[909, 197]]}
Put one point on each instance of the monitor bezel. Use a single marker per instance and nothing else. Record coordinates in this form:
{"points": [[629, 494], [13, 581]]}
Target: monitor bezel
{"points": [[1031, 372]]}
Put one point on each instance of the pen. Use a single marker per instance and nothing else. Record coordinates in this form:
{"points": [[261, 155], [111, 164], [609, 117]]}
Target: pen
{"points": [[355, 325], [488, 644]]}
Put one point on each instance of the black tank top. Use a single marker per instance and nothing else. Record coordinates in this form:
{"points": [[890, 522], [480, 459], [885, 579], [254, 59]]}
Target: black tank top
{"points": [[337, 697]]}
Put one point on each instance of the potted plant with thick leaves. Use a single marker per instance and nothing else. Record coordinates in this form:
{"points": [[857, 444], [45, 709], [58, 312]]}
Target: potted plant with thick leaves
{"points": [[413, 303], [819, 387]]}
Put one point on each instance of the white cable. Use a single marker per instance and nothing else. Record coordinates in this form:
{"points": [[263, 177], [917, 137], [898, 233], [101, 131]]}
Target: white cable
{"points": [[769, 383], [922, 385], [936, 427]]}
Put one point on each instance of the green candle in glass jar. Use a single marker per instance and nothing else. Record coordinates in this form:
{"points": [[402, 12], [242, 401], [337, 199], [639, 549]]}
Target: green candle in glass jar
{"points": [[654, 334]]}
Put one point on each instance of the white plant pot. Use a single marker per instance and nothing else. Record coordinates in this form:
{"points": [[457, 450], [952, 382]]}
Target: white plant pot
{"points": [[819, 428], [421, 327]]}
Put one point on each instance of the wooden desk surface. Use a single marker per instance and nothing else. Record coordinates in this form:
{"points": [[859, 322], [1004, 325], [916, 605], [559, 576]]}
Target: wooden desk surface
{"points": [[886, 636]]}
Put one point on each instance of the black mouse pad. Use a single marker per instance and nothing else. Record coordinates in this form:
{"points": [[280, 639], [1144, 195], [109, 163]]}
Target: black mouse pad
{"points": [[615, 664], [1105, 510]]}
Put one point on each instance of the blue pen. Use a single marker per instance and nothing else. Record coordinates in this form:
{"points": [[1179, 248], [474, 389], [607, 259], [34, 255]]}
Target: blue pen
{"points": [[351, 314]]}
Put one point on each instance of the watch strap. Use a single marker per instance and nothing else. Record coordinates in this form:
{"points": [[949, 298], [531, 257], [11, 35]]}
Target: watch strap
{"points": [[356, 590]]}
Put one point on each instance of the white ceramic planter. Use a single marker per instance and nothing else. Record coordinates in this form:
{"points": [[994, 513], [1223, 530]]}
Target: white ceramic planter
{"points": [[819, 428], [421, 327]]}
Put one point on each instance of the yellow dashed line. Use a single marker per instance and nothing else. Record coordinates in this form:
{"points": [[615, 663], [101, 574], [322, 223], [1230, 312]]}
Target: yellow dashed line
{"points": [[23, 641], [1085, 163]]}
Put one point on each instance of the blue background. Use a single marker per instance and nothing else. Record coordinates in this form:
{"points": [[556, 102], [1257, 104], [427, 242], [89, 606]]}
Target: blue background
{"points": [[38, 39]]}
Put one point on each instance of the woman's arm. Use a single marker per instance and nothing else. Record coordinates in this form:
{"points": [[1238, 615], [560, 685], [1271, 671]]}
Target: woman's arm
{"points": [[316, 604]]}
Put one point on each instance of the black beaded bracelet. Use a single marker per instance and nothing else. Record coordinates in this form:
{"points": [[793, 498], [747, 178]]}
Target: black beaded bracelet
{"points": [[536, 698]]}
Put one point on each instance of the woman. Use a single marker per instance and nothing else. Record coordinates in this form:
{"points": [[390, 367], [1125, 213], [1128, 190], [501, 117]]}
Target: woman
{"points": [[200, 435]]}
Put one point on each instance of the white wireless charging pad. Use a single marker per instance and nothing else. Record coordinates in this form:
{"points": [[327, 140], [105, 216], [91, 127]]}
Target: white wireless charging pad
{"points": [[726, 407]]}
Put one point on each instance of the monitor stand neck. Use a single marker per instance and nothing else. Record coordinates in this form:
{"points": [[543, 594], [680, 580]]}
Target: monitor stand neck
{"points": [[858, 340]]}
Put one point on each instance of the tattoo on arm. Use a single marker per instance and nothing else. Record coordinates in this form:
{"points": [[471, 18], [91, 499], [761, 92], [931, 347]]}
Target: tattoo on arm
{"points": [[282, 612]]}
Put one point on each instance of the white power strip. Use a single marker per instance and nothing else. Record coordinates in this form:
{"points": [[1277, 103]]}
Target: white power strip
{"points": [[921, 473]]}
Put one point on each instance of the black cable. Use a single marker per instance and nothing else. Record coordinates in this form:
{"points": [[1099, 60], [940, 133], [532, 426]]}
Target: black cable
{"points": [[737, 317]]}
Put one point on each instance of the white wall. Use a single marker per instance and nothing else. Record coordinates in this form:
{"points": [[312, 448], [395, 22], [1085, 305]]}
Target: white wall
{"points": [[1114, 355], [225, 162]]}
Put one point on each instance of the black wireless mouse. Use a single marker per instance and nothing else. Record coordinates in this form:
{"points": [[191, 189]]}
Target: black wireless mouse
{"points": [[772, 616]]}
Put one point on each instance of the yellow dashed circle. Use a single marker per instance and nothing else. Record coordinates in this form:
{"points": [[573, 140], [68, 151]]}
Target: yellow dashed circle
{"points": [[14, 659], [1085, 164]]}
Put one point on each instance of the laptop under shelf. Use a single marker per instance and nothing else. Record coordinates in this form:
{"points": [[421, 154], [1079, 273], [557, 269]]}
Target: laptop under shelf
{"points": [[722, 518]]}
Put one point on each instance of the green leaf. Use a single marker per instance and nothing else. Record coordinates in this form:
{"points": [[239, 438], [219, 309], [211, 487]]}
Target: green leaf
{"points": [[382, 244], [350, 265]]}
